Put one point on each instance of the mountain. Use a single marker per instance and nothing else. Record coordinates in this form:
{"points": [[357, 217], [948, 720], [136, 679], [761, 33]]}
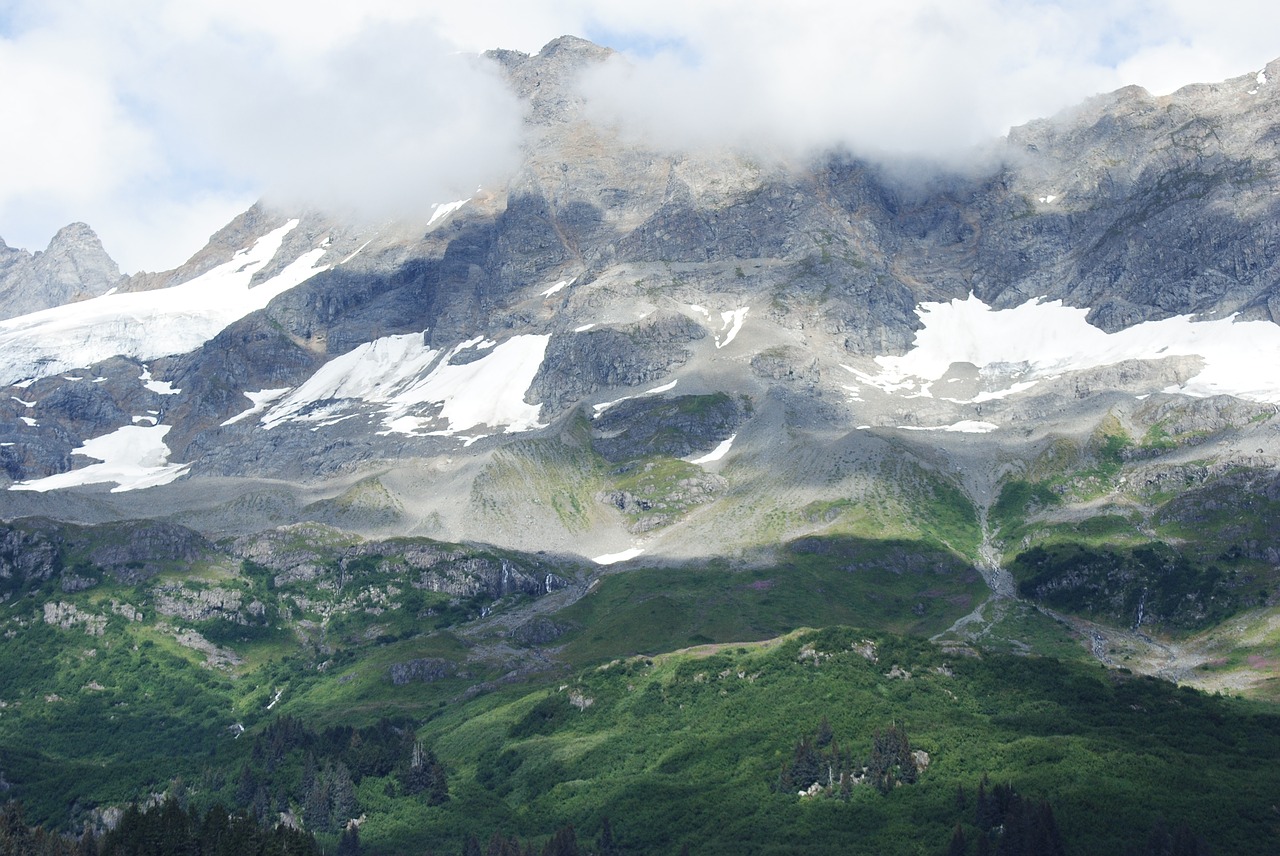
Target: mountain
{"points": [[636, 400], [73, 267]]}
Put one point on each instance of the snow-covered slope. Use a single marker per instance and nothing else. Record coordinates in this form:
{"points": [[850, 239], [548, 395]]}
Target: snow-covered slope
{"points": [[148, 324], [1014, 349], [414, 388], [132, 457]]}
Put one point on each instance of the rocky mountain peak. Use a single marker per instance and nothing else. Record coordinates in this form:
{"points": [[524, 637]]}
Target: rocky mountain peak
{"points": [[74, 266], [547, 79]]}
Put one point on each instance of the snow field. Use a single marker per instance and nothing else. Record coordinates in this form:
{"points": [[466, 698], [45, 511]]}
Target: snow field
{"points": [[717, 453], [134, 457], [403, 375], [1046, 339], [148, 324], [614, 558]]}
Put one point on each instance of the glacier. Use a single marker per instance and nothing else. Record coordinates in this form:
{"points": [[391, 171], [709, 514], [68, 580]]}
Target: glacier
{"points": [[146, 325]]}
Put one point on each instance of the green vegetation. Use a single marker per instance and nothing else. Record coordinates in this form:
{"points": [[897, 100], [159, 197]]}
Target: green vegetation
{"points": [[687, 749], [1149, 583], [329, 678], [898, 585]]}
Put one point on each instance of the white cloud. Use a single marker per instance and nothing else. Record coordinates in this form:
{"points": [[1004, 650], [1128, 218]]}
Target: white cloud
{"points": [[153, 120], [385, 122], [916, 77]]}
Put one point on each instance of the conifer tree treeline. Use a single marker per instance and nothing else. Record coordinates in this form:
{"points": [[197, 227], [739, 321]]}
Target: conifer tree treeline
{"points": [[820, 759], [317, 773], [169, 830]]}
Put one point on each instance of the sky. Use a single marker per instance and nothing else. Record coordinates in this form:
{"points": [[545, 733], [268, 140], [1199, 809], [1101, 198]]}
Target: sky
{"points": [[156, 121]]}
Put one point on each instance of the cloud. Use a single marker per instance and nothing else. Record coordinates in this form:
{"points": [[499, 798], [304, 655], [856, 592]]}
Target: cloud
{"points": [[158, 122], [385, 123], [915, 78], [155, 120]]}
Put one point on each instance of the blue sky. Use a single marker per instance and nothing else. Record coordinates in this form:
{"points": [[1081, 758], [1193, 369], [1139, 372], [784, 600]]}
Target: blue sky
{"points": [[156, 121]]}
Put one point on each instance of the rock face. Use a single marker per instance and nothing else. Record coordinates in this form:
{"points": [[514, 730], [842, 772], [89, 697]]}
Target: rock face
{"points": [[701, 343], [73, 267]]}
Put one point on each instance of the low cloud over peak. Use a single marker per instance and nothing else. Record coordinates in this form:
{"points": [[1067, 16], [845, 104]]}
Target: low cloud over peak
{"points": [[155, 120]]}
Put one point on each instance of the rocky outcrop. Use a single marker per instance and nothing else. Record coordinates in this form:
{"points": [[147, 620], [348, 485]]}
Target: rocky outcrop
{"points": [[193, 604], [579, 364], [424, 670], [73, 267], [26, 556], [674, 427], [135, 550], [330, 559]]}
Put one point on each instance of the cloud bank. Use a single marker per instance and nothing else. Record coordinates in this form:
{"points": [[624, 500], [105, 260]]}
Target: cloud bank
{"points": [[156, 120]]}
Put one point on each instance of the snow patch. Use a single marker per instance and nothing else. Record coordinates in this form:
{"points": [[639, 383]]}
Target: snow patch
{"points": [[1041, 340], [601, 408], [614, 558], [1261, 78], [717, 453], [31, 423], [145, 325], [134, 457], [964, 426], [444, 209], [559, 286], [260, 400], [408, 380], [733, 323], [584, 328], [27, 404], [160, 387], [356, 253]]}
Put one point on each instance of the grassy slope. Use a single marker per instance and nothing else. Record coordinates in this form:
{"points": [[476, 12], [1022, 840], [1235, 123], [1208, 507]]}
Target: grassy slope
{"points": [[684, 749]]}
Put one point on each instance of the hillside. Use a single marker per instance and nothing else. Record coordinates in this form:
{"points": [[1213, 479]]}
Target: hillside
{"points": [[433, 484]]}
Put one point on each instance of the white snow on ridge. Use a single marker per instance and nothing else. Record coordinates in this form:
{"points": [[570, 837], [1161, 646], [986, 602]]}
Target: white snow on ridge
{"points": [[260, 401], [134, 457], [148, 324], [1046, 339], [614, 558], [559, 286], [444, 209], [603, 406], [717, 453], [407, 379]]}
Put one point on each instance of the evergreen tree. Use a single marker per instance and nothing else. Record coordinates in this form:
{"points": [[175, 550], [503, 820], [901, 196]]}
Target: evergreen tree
{"points": [[959, 844], [246, 786], [345, 806], [891, 760], [316, 807], [563, 843], [605, 845], [825, 734], [349, 843]]}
